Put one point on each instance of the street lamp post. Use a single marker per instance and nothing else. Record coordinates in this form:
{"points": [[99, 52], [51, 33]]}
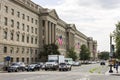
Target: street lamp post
{"points": [[111, 54]]}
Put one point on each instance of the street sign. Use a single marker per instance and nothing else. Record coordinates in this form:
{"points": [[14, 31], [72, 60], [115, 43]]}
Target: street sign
{"points": [[8, 58]]}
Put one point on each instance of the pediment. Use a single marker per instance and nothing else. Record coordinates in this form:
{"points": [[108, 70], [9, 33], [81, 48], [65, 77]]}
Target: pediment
{"points": [[53, 14], [73, 26]]}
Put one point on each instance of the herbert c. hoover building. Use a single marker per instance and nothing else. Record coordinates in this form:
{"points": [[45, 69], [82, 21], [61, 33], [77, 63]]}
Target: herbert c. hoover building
{"points": [[25, 27]]}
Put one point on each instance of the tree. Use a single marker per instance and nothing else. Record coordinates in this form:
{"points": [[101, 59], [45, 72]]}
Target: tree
{"points": [[50, 49], [72, 54], [104, 55], [84, 53], [117, 39]]}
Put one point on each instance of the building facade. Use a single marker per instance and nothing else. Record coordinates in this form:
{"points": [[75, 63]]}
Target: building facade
{"points": [[25, 27]]}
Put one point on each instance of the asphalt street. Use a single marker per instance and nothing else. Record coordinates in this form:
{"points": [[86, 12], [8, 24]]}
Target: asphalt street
{"points": [[84, 72]]}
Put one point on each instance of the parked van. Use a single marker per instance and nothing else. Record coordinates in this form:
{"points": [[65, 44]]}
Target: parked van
{"points": [[69, 61]]}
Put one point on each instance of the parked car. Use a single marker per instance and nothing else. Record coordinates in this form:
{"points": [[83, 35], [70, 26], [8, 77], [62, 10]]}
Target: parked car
{"points": [[33, 67], [64, 67], [43, 66], [76, 63], [17, 66], [102, 63]]}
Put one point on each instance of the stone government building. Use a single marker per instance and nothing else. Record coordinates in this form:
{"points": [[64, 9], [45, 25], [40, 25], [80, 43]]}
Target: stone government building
{"points": [[25, 27]]}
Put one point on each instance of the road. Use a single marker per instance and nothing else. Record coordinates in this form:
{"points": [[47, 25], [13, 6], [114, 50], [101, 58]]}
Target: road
{"points": [[84, 72]]}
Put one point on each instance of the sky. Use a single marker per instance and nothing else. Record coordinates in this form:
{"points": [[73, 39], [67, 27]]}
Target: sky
{"points": [[94, 18]]}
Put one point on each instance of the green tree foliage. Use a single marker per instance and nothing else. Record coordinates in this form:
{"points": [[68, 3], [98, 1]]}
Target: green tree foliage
{"points": [[50, 49], [84, 53], [72, 54], [117, 39], [104, 55]]}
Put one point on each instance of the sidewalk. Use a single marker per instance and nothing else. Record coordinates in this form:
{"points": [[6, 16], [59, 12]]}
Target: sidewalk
{"points": [[114, 72]]}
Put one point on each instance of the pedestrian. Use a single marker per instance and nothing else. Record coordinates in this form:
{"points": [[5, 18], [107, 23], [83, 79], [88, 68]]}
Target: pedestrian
{"points": [[116, 66]]}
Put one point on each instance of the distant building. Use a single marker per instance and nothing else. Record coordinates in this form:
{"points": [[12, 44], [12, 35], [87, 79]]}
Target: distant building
{"points": [[25, 27]]}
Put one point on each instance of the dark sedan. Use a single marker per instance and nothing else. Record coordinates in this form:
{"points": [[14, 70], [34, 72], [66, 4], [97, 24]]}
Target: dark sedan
{"points": [[33, 67]]}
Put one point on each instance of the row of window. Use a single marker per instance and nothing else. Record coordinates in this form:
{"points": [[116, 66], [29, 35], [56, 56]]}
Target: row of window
{"points": [[22, 15], [33, 30], [13, 36], [19, 50], [23, 59]]}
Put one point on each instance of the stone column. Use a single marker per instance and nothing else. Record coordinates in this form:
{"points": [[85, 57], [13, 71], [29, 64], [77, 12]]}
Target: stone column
{"points": [[53, 33], [46, 32], [49, 32]]}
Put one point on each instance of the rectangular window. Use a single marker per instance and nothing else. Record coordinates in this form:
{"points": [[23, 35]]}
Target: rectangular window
{"points": [[11, 50], [17, 59], [35, 30], [28, 18], [32, 29], [35, 40], [5, 21], [27, 51], [31, 40], [23, 16], [18, 37], [17, 50], [12, 23], [5, 49], [27, 28], [12, 11], [23, 50], [5, 34], [6, 9], [18, 14], [11, 59], [23, 38], [18, 25], [23, 59], [35, 51], [11, 35], [32, 20], [23, 26], [36, 22], [27, 39]]}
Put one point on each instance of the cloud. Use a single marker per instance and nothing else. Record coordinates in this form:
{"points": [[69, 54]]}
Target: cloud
{"points": [[104, 4], [109, 4], [96, 18]]}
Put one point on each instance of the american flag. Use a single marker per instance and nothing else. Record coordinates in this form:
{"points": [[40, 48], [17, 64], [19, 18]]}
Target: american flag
{"points": [[60, 41], [78, 45]]}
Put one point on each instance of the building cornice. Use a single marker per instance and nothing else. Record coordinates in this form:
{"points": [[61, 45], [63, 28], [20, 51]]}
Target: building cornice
{"points": [[23, 3]]}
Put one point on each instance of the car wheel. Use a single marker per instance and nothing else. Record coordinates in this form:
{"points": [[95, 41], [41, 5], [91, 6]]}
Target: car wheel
{"points": [[59, 69], [46, 69], [16, 70]]}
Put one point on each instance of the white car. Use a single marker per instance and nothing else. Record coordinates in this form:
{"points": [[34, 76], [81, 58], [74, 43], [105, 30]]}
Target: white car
{"points": [[64, 67], [76, 63]]}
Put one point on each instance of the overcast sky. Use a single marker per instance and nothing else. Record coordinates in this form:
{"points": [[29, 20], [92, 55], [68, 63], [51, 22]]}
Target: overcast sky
{"points": [[94, 18]]}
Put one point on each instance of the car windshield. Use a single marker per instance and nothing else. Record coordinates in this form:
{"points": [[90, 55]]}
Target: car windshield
{"points": [[62, 64], [32, 65], [14, 64], [52, 61]]}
